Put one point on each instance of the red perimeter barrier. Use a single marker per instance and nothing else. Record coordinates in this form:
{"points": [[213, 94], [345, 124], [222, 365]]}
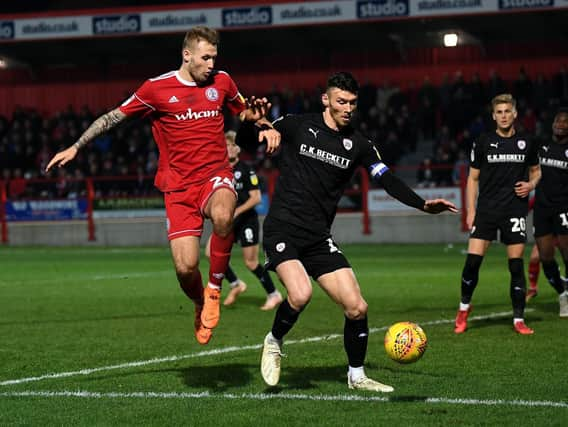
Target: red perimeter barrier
{"points": [[3, 224], [93, 193]]}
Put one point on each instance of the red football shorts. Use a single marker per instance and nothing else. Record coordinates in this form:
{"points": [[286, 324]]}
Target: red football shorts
{"points": [[185, 209]]}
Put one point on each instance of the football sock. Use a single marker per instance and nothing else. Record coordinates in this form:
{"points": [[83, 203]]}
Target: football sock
{"points": [[552, 273], [470, 276], [355, 338], [219, 258], [534, 270], [518, 287], [284, 320], [464, 307], [231, 276], [356, 373], [192, 286], [264, 278]]}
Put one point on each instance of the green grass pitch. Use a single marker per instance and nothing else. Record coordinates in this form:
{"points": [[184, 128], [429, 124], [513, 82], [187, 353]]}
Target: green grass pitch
{"points": [[104, 336]]}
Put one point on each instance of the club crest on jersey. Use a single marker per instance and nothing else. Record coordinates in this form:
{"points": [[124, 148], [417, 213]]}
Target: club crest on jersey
{"points": [[237, 174], [280, 247], [211, 94], [522, 144], [347, 143]]}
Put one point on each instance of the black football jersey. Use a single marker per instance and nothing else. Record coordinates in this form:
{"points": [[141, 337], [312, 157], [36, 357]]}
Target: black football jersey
{"points": [[502, 162], [245, 180], [316, 164], [552, 190]]}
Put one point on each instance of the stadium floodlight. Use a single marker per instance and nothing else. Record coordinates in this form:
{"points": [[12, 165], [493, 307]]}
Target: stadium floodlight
{"points": [[450, 40]]}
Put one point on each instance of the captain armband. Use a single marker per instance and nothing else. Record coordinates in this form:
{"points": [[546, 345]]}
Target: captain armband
{"points": [[376, 170]]}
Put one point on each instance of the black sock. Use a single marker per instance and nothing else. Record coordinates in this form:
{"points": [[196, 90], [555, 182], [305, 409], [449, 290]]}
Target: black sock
{"points": [[285, 318], [552, 273], [230, 275], [264, 278], [518, 287], [355, 338], [470, 276]]}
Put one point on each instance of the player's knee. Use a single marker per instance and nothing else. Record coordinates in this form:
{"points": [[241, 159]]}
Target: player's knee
{"points": [[185, 272], [300, 298], [357, 311], [222, 225], [251, 264]]}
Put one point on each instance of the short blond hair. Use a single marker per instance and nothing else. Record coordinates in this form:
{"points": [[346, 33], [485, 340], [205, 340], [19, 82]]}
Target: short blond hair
{"points": [[231, 135], [199, 33], [504, 98]]}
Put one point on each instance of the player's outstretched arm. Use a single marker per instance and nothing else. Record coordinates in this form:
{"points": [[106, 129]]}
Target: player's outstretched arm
{"points": [[257, 108], [256, 111], [436, 206], [396, 188], [99, 126]]}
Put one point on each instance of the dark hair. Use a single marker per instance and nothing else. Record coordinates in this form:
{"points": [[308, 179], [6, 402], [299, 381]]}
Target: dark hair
{"points": [[562, 110], [344, 81]]}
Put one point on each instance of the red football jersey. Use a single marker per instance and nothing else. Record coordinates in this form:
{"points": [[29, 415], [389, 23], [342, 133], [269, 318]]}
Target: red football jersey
{"points": [[187, 124]]}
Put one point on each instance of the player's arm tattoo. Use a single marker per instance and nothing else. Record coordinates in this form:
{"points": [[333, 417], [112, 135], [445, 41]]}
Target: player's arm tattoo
{"points": [[101, 125]]}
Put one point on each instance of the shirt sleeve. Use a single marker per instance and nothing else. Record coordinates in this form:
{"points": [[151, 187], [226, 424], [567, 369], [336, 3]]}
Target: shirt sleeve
{"points": [[235, 102], [533, 153], [477, 155], [252, 183], [287, 125], [371, 159], [141, 102]]}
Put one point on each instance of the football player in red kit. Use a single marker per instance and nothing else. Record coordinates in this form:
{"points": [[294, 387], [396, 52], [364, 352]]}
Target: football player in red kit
{"points": [[185, 107]]}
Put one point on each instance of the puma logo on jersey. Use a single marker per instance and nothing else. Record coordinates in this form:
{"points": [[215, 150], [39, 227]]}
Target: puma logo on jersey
{"points": [[314, 132], [494, 144], [196, 115], [545, 148]]}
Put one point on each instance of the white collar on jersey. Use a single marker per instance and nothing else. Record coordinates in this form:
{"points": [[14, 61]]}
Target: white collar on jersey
{"points": [[183, 81]]}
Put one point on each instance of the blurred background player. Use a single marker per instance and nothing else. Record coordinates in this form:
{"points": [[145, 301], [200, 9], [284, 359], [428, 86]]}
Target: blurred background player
{"points": [[194, 173], [319, 155], [497, 181], [246, 228], [551, 207]]}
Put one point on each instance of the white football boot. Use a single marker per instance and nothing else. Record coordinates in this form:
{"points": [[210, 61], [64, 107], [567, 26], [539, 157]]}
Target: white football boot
{"points": [[270, 363], [563, 302], [367, 384]]}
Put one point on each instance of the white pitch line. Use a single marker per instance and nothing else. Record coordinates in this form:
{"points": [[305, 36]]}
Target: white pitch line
{"points": [[233, 349], [283, 396]]}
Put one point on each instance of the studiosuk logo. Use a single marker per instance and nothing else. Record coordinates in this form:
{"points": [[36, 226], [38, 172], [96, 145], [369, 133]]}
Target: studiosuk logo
{"points": [[196, 115], [247, 16], [116, 24], [382, 8]]}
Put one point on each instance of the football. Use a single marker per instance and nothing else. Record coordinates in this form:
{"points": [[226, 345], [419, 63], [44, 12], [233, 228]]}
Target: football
{"points": [[405, 342]]}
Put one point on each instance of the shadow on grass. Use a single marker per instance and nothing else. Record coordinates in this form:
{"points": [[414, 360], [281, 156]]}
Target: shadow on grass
{"points": [[220, 378]]}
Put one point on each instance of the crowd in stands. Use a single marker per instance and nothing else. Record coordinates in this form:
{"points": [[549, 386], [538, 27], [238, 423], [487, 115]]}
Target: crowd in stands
{"points": [[452, 115]]}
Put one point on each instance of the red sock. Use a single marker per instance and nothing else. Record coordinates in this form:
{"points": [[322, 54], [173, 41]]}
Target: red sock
{"points": [[219, 259], [194, 287], [534, 270]]}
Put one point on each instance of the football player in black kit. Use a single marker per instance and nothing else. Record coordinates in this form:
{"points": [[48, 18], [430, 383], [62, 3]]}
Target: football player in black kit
{"points": [[504, 169], [319, 154], [551, 207], [246, 229]]}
